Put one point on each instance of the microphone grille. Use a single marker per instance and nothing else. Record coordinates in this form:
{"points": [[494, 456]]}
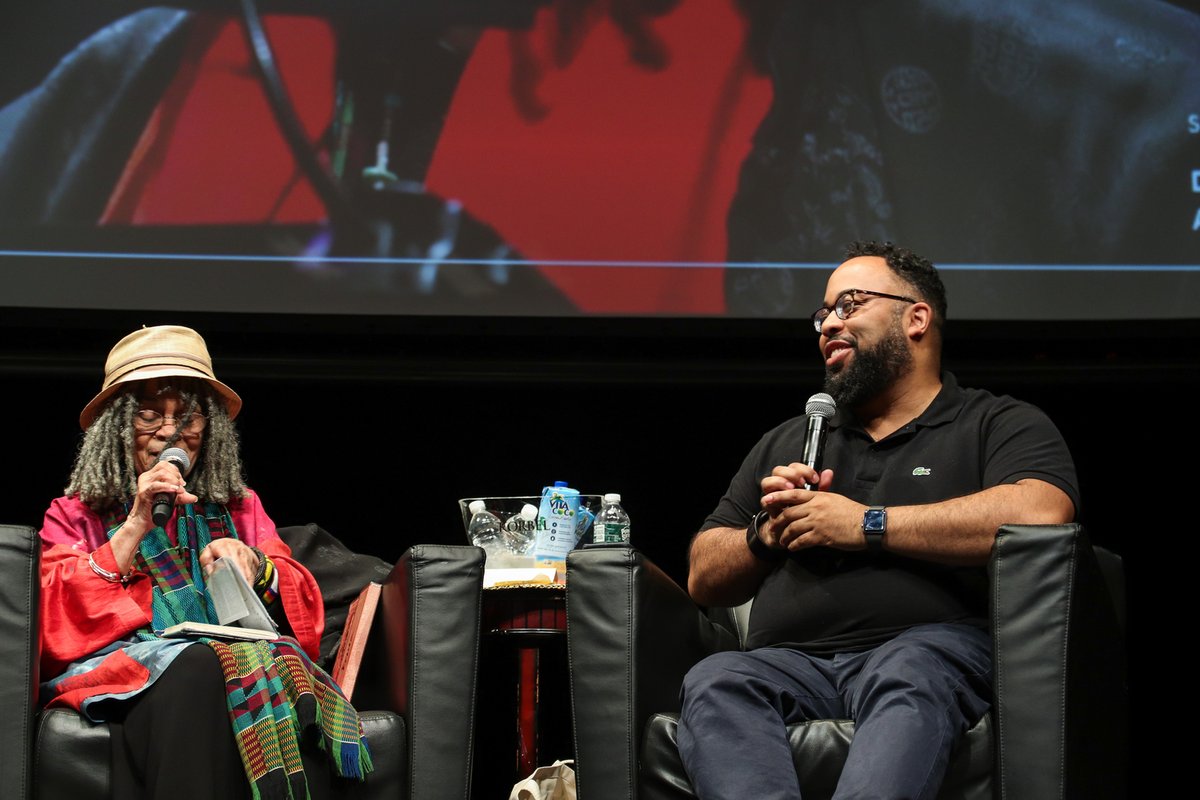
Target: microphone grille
{"points": [[820, 404], [179, 456]]}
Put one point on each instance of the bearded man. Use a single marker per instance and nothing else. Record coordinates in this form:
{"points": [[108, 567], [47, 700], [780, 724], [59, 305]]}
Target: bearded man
{"points": [[868, 577]]}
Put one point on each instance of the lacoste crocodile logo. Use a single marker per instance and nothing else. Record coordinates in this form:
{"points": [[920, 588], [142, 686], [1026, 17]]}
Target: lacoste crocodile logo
{"points": [[922, 471]]}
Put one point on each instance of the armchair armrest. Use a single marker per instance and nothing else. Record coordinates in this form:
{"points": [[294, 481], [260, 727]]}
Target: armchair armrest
{"points": [[632, 634], [20, 582], [1061, 704], [431, 616]]}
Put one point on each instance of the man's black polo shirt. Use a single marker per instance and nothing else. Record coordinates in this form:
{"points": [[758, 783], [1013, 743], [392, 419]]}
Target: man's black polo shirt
{"points": [[825, 601]]}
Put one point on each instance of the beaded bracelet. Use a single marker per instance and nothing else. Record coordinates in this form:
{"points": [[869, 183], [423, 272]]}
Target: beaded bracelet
{"points": [[268, 576], [111, 577], [262, 566], [268, 595], [264, 578], [267, 591]]}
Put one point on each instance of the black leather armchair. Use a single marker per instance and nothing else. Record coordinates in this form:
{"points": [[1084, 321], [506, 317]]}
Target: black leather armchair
{"points": [[420, 679], [1058, 728]]}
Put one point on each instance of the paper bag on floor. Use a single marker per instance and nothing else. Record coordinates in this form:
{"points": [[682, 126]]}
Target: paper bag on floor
{"points": [[555, 782]]}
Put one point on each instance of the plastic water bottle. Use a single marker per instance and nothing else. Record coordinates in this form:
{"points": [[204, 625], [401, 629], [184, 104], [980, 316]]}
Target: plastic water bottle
{"points": [[485, 530], [612, 523], [520, 531]]}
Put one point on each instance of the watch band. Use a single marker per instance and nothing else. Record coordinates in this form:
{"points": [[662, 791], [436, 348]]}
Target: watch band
{"points": [[757, 546]]}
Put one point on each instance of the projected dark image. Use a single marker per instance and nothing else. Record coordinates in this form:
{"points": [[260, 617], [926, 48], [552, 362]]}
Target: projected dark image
{"points": [[579, 157], [1030, 135]]}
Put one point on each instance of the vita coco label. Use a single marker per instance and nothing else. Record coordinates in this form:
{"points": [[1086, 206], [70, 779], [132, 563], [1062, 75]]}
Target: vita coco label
{"points": [[557, 521]]}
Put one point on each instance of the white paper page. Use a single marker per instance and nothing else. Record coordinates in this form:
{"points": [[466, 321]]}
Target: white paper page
{"points": [[234, 600]]}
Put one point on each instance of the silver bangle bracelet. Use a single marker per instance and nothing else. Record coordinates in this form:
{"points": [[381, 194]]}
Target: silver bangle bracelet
{"points": [[111, 577]]}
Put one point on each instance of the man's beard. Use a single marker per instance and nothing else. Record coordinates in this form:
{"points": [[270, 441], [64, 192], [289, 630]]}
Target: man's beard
{"points": [[870, 371]]}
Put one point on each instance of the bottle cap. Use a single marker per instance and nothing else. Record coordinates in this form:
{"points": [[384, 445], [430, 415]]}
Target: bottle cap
{"points": [[529, 511], [559, 484], [612, 497], [476, 506]]}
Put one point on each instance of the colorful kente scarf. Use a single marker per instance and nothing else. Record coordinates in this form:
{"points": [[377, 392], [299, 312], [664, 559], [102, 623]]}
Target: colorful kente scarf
{"points": [[275, 693]]}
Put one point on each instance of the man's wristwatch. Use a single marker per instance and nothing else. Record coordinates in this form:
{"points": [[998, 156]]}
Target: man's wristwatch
{"points": [[874, 526], [757, 546]]}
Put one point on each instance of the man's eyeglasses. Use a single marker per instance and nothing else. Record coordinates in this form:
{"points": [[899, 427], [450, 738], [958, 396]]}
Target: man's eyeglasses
{"points": [[148, 421], [845, 304]]}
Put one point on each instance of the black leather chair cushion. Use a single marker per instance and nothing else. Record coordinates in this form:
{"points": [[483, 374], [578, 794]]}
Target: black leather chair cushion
{"points": [[388, 741], [819, 751], [71, 756]]}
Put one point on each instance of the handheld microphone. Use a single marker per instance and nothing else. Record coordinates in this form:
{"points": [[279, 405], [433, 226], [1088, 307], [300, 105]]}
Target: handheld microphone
{"points": [[820, 407], [164, 502]]}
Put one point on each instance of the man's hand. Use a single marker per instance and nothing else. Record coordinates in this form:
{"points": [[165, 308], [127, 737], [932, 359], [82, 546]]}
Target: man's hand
{"points": [[816, 519], [799, 518]]}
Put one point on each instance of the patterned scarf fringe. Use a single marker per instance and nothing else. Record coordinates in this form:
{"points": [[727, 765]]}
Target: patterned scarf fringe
{"points": [[276, 697]]}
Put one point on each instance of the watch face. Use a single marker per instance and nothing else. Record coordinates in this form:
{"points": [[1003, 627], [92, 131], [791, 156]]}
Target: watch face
{"points": [[875, 519]]}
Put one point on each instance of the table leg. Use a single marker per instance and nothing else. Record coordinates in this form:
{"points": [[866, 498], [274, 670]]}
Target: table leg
{"points": [[527, 710]]}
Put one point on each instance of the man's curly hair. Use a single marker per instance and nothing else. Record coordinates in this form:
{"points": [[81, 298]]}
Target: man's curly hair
{"points": [[915, 270]]}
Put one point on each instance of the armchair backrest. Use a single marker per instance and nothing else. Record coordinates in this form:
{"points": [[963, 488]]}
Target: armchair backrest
{"points": [[20, 557], [1060, 676], [432, 611]]}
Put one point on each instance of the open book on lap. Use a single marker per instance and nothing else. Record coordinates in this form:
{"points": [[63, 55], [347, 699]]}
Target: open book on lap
{"points": [[187, 629], [240, 612]]}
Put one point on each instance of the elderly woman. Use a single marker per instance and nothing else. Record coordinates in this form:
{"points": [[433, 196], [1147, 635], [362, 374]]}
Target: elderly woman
{"points": [[192, 717]]}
